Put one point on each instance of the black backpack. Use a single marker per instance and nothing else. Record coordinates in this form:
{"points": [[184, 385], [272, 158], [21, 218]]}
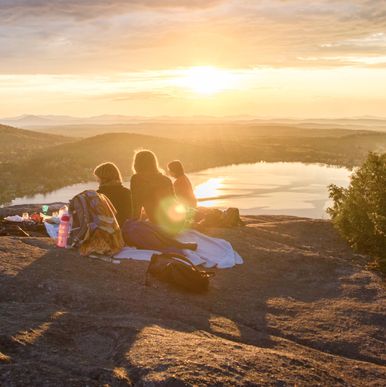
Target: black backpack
{"points": [[179, 271]]}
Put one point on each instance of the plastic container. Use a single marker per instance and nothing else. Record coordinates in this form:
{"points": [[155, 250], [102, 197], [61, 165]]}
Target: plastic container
{"points": [[64, 230], [62, 211]]}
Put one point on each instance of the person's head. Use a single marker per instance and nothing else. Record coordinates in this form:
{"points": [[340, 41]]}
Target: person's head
{"points": [[108, 173], [176, 169], [145, 161]]}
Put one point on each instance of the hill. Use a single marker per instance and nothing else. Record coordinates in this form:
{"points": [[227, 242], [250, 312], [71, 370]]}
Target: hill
{"points": [[61, 165], [19, 143], [302, 310], [196, 130]]}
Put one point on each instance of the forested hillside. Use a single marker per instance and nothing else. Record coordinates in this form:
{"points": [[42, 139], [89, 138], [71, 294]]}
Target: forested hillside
{"points": [[19, 143], [37, 163]]}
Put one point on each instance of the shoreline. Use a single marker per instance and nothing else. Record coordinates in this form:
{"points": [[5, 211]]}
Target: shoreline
{"points": [[262, 188], [74, 181], [18, 209]]}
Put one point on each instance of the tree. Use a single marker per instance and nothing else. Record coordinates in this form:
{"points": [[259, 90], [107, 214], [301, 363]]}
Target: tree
{"points": [[359, 211]]}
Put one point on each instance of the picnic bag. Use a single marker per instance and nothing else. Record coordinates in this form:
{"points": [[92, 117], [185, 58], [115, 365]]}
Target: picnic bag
{"points": [[94, 226], [179, 271], [218, 218], [231, 218]]}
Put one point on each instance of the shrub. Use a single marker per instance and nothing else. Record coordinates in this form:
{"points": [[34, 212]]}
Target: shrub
{"points": [[359, 211]]}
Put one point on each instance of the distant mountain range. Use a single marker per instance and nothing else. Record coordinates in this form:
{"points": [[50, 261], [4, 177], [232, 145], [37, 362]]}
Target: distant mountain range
{"points": [[27, 121], [30, 120]]}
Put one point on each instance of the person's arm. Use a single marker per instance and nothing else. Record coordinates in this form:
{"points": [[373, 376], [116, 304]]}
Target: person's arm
{"points": [[127, 205], [136, 197], [178, 188], [170, 188]]}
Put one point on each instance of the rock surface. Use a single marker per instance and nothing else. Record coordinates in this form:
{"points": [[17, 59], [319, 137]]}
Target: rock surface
{"points": [[302, 310]]}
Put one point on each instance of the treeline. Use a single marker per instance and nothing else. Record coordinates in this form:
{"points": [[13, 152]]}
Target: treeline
{"points": [[359, 211]]}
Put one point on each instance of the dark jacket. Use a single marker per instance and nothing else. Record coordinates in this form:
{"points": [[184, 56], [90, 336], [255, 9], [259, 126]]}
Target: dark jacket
{"points": [[120, 197], [148, 191]]}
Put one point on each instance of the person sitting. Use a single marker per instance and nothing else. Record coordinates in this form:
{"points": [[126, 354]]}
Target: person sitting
{"points": [[151, 189], [110, 184], [182, 185]]}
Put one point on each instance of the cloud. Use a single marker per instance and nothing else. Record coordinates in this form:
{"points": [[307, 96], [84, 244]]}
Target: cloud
{"points": [[116, 36], [378, 61], [139, 95], [12, 10]]}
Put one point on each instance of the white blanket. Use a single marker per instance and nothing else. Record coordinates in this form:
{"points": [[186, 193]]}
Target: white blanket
{"points": [[211, 252]]}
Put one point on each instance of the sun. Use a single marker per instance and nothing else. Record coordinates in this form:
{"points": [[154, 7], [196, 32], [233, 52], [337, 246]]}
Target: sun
{"points": [[207, 80]]}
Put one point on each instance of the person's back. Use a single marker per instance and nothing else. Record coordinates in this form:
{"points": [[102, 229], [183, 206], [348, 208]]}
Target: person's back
{"points": [[110, 184], [120, 198], [150, 188], [184, 191], [148, 192], [182, 185]]}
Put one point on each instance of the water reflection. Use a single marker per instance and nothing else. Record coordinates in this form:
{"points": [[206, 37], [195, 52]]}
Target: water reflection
{"points": [[261, 188], [271, 188], [209, 190]]}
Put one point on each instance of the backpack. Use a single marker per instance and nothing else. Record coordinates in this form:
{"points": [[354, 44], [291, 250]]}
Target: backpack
{"points": [[179, 271], [217, 218], [231, 218], [94, 226]]}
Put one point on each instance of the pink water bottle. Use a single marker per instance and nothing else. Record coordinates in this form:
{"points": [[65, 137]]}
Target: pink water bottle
{"points": [[64, 231]]}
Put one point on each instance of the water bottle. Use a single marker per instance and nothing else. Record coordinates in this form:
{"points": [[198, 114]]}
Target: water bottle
{"points": [[64, 230], [63, 210]]}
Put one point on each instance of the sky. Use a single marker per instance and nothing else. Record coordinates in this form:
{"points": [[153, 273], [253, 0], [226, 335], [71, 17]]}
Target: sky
{"points": [[265, 58]]}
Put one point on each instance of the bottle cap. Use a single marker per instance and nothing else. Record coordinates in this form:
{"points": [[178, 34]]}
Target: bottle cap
{"points": [[65, 218]]}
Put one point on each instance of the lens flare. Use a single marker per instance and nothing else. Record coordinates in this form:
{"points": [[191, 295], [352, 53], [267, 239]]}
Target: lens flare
{"points": [[177, 212], [172, 215]]}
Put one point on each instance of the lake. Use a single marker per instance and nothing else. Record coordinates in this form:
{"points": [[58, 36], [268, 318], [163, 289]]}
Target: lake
{"points": [[284, 188]]}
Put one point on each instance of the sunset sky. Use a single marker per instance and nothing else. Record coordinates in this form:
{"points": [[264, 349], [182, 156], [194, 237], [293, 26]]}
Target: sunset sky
{"points": [[271, 58]]}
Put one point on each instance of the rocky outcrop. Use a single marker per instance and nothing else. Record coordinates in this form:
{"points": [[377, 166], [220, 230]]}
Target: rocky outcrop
{"points": [[303, 309]]}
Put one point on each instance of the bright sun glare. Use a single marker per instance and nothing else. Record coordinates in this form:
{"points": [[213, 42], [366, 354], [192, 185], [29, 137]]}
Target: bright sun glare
{"points": [[209, 189], [207, 80]]}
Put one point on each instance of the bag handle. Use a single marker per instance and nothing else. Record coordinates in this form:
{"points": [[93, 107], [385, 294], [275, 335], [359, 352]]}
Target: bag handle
{"points": [[181, 257], [187, 260], [210, 274]]}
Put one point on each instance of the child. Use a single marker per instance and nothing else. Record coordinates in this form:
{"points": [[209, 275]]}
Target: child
{"points": [[182, 185]]}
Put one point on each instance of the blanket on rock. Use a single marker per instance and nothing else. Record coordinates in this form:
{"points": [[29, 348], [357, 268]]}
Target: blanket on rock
{"points": [[211, 252]]}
